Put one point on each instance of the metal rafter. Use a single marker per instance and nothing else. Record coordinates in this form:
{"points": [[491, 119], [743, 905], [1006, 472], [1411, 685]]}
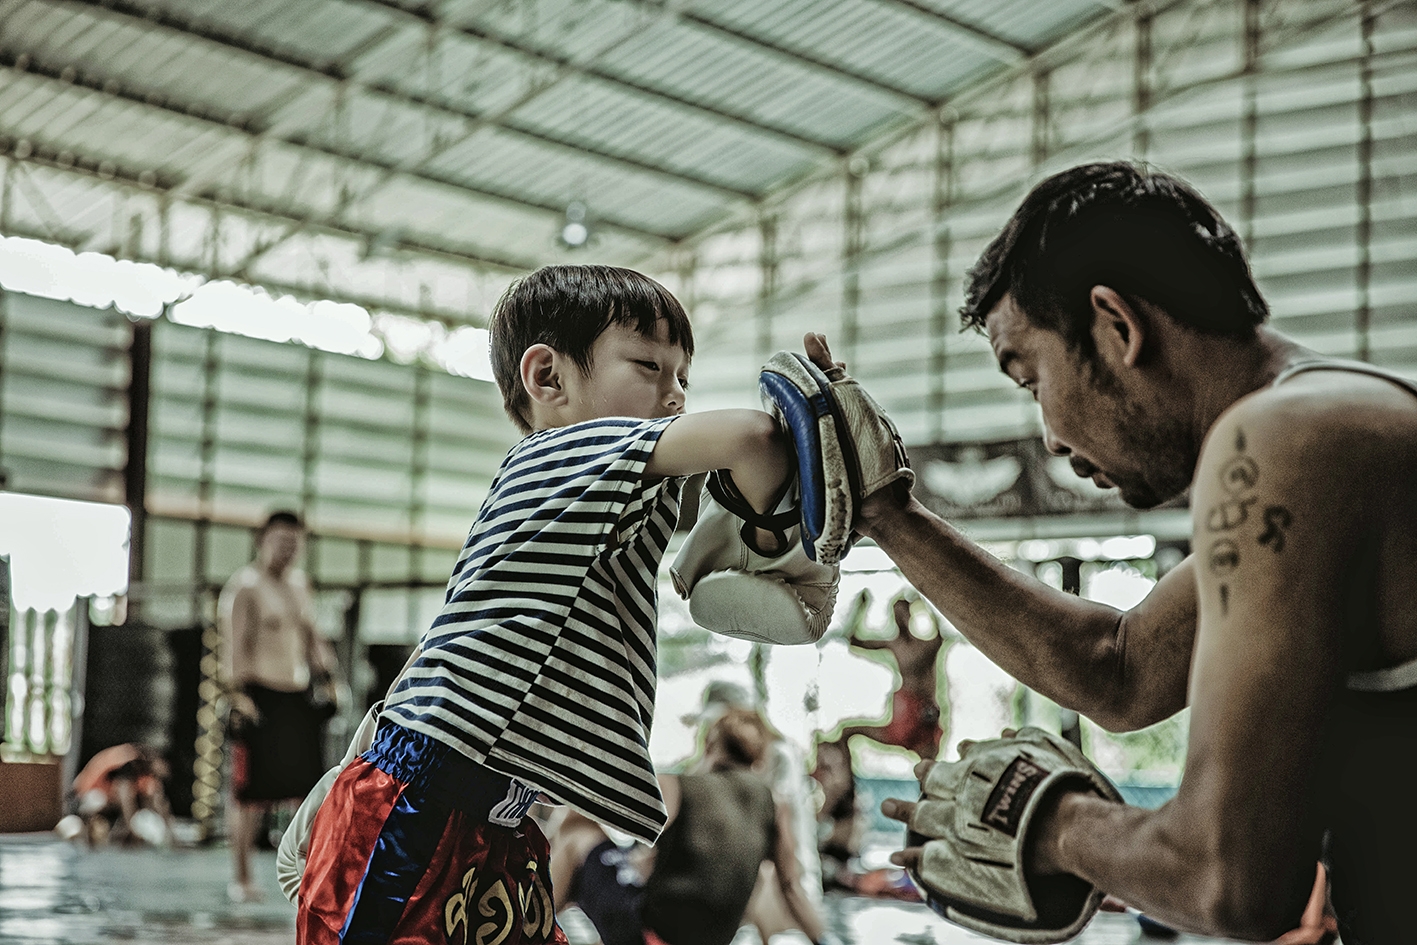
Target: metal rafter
{"points": [[88, 164], [1004, 50], [72, 77], [551, 57], [911, 100], [339, 72]]}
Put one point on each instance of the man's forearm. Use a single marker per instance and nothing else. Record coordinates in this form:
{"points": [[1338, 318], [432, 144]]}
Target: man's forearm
{"points": [[1062, 646], [1161, 862]]}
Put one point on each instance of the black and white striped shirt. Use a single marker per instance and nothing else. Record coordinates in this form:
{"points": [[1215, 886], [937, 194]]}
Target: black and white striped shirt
{"points": [[541, 665]]}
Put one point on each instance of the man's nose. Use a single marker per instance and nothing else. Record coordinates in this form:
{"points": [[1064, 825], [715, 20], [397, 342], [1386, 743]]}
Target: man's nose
{"points": [[1052, 444]]}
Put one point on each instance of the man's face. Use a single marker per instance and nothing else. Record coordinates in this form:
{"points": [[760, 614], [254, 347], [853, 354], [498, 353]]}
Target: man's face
{"points": [[630, 376], [280, 545], [1113, 430]]}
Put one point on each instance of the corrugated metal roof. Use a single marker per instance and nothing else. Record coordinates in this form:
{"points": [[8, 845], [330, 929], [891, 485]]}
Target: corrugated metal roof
{"points": [[455, 135]]}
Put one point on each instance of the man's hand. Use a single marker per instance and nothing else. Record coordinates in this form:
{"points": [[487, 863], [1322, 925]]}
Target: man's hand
{"points": [[244, 706], [815, 345], [984, 844]]}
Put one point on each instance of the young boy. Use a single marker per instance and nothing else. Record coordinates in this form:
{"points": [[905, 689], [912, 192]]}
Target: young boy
{"points": [[538, 677]]}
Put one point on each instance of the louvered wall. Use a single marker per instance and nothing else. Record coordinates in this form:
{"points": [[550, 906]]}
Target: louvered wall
{"points": [[1311, 153]]}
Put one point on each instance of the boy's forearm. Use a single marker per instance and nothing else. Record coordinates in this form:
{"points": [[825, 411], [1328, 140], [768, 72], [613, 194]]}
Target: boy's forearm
{"points": [[748, 443]]}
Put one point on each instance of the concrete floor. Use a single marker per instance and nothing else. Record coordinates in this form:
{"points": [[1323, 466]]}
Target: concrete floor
{"points": [[54, 892]]}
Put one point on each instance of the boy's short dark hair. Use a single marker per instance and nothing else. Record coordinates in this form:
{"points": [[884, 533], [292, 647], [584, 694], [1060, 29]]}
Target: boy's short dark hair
{"points": [[281, 517], [567, 308], [1146, 234]]}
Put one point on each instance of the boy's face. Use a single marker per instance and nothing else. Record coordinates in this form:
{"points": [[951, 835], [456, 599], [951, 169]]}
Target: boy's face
{"points": [[630, 376]]}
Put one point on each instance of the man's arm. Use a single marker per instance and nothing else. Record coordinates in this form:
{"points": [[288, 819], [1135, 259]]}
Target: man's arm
{"points": [[1279, 510], [748, 443], [236, 619], [1123, 670], [789, 874]]}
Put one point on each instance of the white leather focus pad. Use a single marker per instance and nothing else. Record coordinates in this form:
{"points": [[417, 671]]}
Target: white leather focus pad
{"points": [[733, 590]]}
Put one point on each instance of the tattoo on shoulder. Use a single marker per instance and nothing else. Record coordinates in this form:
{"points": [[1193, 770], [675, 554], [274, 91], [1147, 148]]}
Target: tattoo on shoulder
{"points": [[1229, 514], [1224, 599], [1276, 519], [1224, 557], [1240, 475]]}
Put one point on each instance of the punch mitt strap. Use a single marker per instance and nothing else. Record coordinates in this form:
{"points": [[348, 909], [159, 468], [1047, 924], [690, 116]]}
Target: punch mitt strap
{"points": [[974, 820], [845, 446], [733, 588], [782, 520]]}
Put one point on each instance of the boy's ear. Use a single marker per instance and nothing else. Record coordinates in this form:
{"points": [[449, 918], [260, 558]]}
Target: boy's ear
{"points": [[541, 376]]}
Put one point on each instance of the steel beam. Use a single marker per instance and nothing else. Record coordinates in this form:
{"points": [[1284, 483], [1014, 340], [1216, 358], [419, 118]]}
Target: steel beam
{"points": [[72, 77], [1363, 276], [135, 467], [996, 46], [337, 72], [103, 168], [561, 61], [911, 100], [84, 167]]}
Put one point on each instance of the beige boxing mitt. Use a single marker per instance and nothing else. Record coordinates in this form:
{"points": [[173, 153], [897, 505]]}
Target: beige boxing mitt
{"points": [[973, 821]]}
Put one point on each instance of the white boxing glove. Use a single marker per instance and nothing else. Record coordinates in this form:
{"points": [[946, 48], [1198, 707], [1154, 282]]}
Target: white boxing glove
{"points": [[735, 589], [295, 843]]}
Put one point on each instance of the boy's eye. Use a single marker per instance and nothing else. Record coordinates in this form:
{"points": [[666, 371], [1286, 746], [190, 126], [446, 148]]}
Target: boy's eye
{"points": [[684, 383], [648, 364]]}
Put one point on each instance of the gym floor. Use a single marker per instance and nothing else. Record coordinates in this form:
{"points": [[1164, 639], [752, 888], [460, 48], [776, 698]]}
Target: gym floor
{"points": [[53, 892]]}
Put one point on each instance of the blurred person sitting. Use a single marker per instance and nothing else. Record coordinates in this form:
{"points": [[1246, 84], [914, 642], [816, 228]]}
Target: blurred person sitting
{"points": [[693, 887], [120, 799], [785, 768], [278, 673]]}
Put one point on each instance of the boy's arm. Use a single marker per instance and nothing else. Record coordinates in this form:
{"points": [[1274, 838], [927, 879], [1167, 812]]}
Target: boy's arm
{"points": [[748, 443]]}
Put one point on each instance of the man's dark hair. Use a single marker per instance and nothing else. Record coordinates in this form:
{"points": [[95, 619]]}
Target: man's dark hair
{"points": [[281, 517], [1144, 233], [567, 308]]}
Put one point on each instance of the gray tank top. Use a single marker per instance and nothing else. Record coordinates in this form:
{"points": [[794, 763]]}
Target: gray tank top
{"points": [[1366, 769], [1404, 675]]}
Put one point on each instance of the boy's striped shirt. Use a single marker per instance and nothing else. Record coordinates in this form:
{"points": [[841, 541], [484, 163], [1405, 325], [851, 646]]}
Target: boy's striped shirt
{"points": [[541, 665]]}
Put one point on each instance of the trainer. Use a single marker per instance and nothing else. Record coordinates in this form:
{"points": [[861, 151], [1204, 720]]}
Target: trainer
{"points": [[273, 662], [1124, 304]]}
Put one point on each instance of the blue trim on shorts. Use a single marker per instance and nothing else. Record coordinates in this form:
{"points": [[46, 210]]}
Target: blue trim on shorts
{"points": [[438, 780]]}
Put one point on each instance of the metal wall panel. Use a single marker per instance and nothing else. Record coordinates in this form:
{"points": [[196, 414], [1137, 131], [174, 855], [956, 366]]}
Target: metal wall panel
{"points": [[1297, 119], [63, 402]]}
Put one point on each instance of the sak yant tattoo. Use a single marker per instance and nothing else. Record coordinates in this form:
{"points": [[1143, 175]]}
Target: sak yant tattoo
{"points": [[1224, 557], [1229, 515], [1240, 475], [1276, 519]]}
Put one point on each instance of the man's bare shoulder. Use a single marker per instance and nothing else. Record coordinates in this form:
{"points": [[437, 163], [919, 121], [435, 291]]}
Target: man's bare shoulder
{"points": [[245, 578], [1343, 418]]}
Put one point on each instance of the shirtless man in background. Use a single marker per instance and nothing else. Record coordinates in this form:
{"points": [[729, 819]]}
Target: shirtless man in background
{"points": [[915, 710], [271, 656]]}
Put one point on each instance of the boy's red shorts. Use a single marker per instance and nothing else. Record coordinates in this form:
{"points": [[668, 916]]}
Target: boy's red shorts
{"points": [[402, 851]]}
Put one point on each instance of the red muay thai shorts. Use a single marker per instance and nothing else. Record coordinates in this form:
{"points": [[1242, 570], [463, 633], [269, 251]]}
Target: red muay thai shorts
{"points": [[418, 844]]}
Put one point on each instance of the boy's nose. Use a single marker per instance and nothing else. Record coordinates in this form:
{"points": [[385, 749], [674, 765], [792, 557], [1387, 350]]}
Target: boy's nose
{"points": [[675, 396]]}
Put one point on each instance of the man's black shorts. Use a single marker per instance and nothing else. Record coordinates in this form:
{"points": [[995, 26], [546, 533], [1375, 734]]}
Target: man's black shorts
{"points": [[281, 756]]}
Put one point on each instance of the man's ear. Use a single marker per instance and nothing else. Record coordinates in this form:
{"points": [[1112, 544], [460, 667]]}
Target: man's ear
{"points": [[541, 376], [1118, 329]]}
